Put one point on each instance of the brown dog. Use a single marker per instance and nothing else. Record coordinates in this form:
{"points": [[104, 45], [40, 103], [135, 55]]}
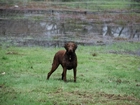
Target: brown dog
{"points": [[67, 59]]}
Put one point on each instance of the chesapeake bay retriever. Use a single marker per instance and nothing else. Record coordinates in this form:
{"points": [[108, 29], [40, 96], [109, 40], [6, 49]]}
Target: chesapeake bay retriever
{"points": [[68, 60]]}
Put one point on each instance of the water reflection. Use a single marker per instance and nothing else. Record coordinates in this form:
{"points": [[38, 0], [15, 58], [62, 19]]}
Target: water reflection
{"points": [[121, 31]]}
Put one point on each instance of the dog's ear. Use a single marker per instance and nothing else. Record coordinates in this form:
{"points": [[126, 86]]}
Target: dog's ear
{"points": [[75, 46], [65, 46]]}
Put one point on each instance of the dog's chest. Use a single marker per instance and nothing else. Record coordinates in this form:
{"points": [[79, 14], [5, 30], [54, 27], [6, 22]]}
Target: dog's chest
{"points": [[70, 65], [70, 62]]}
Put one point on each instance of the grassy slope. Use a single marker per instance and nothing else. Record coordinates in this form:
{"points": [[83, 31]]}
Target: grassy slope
{"points": [[100, 5], [102, 79]]}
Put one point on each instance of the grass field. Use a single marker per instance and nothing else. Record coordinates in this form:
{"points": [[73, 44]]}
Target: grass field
{"points": [[107, 75]]}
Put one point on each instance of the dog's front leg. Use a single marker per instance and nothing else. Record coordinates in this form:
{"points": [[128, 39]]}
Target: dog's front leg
{"points": [[74, 72], [64, 74]]}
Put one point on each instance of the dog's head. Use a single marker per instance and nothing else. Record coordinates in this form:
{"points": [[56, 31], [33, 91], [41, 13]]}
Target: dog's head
{"points": [[70, 47]]}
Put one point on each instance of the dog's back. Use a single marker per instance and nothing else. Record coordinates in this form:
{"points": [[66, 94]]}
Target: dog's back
{"points": [[59, 56]]}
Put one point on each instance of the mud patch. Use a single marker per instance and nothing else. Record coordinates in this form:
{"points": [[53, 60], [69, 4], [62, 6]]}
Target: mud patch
{"points": [[126, 52], [7, 92], [117, 97], [77, 97], [13, 53]]}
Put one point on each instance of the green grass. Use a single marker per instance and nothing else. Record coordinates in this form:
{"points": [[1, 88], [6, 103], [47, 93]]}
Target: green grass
{"points": [[90, 5], [103, 79], [100, 5]]}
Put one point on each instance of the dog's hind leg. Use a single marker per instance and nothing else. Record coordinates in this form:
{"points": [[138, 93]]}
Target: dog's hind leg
{"points": [[62, 75], [54, 67]]}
